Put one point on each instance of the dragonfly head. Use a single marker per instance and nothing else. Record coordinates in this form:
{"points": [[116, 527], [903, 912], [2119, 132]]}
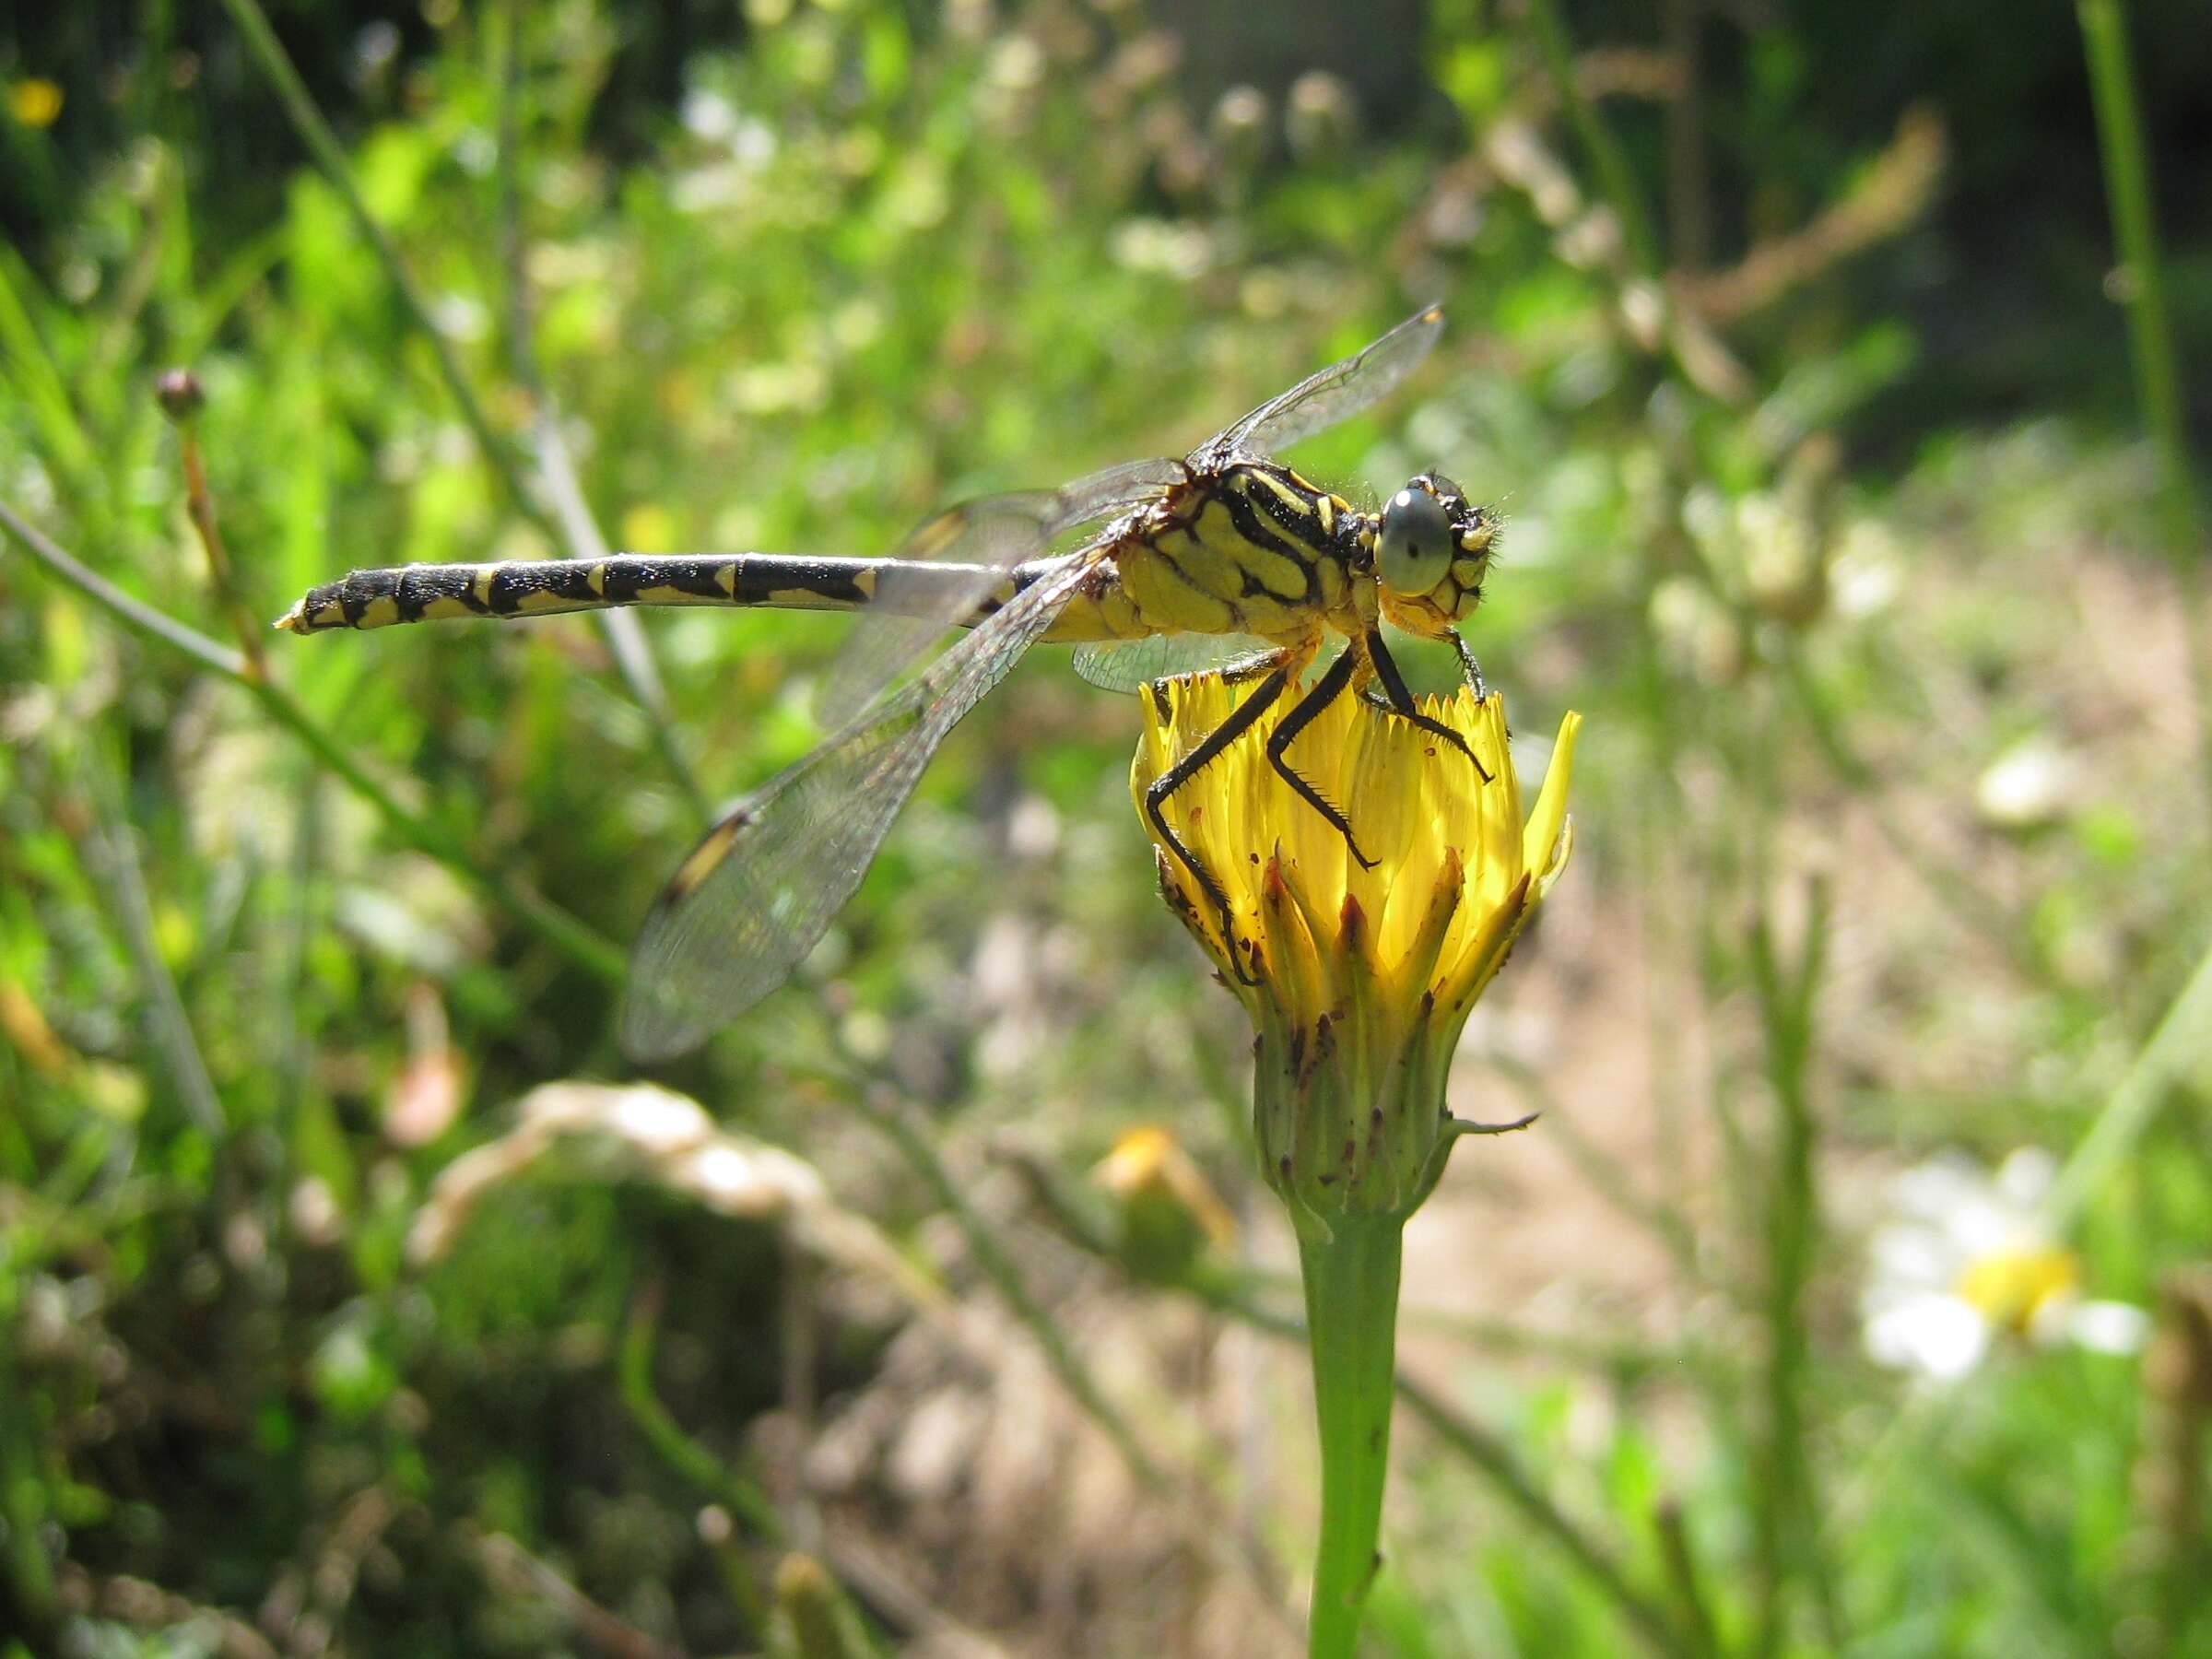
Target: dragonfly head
{"points": [[1433, 549]]}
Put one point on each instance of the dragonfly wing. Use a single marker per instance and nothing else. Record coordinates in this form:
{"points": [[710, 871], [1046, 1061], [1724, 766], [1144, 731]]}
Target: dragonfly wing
{"points": [[1335, 394], [1132, 664], [991, 535], [757, 894]]}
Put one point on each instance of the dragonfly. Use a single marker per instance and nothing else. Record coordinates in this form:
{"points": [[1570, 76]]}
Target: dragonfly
{"points": [[1226, 560]]}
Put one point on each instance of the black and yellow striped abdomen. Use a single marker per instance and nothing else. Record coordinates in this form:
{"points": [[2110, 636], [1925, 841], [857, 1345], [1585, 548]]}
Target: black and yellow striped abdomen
{"points": [[545, 587]]}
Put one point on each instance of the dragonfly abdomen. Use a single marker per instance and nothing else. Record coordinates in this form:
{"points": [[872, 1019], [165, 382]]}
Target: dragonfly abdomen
{"points": [[382, 598]]}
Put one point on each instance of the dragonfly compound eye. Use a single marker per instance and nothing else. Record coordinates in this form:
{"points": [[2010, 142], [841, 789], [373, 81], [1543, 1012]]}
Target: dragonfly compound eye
{"points": [[1414, 551]]}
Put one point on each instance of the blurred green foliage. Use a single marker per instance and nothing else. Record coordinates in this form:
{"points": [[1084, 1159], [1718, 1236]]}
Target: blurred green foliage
{"points": [[794, 278]]}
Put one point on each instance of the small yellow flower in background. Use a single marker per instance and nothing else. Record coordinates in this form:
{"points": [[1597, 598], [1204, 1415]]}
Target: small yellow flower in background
{"points": [[1358, 980], [2015, 1288], [34, 104], [1167, 1209], [24, 1026], [648, 528]]}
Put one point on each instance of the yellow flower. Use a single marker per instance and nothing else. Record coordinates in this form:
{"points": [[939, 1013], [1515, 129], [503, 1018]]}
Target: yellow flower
{"points": [[1357, 979], [649, 528], [2012, 1287], [1167, 1209], [34, 104]]}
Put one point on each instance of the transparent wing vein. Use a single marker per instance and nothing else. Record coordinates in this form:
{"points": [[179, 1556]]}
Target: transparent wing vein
{"points": [[1132, 664], [1332, 394], [992, 534], [760, 889]]}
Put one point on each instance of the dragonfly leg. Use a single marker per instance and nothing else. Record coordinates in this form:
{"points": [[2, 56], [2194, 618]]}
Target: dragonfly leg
{"points": [[1469, 665], [1251, 667], [1399, 700], [1326, 690], [1241, 720]]}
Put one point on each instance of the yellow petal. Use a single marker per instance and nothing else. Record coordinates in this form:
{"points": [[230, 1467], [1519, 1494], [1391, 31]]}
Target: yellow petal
{"points": [[1455, 868], [1545, 845]]}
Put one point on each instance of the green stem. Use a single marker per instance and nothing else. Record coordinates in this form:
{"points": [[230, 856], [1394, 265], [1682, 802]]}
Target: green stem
{"points": [[1238, 1294], [1614, 177], [690, 1459], [2134, 227], [1482, 1449], [2180, 1043], [1352, 1321], [323, 144], [887, 1120], [1787, 1545], [2149, 326], [1612, 1183], [114, 862], [27, 1587], [1954, 887], [541, 915], [634, 658], [134, 613], [555, 926]]}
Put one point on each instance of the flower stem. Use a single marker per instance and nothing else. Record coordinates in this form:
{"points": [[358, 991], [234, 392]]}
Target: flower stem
{"points": [[547, 920], [2134, 227], [2159, 377], [1351, 1317]]}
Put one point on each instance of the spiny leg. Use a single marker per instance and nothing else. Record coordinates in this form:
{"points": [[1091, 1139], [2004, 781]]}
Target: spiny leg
{"points": [[1469, 665], [1326, 690], [1241, 720], [1244, 668], [1401, 699]]}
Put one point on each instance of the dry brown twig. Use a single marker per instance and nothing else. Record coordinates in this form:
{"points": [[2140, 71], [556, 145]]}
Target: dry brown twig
{"points": [[1889, 196], [515, 1572], [145, 1605]]}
